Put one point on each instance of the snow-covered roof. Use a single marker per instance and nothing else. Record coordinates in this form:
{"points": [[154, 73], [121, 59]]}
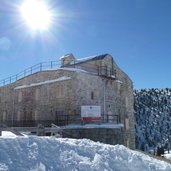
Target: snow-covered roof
{"points": [[64, 78], [91, 58], [67, 55], [86, 59]]}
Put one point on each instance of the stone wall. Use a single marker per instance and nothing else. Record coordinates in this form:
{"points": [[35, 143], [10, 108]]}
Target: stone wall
{"points": [[114, 95], [38, 103], [103, 135]]}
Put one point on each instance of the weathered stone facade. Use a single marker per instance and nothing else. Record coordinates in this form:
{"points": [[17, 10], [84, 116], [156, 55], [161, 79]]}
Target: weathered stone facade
{"points": [[57, 95]]}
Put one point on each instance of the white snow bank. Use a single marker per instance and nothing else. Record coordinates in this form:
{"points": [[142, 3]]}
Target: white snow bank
{"points": [[51, 154], [64, 78], [8, 134], [167, 155]]}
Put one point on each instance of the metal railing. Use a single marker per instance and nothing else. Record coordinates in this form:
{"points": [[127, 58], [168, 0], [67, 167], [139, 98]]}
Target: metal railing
{"points": [[99, 70], [60, 120], [31, 70], [107, 72], [113, 118]]}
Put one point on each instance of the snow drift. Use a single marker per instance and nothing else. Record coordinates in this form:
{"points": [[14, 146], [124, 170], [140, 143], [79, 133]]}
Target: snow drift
{"points": [[52, 154]]}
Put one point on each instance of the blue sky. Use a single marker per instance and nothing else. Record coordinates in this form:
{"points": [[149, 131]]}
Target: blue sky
{"points": [[137, 33]]}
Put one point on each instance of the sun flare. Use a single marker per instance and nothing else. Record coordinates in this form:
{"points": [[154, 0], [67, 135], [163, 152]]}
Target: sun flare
{"points": [[36, 14]]}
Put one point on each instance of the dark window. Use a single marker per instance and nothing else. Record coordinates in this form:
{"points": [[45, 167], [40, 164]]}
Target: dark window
{"points": [[61, 118], [92, 95]]}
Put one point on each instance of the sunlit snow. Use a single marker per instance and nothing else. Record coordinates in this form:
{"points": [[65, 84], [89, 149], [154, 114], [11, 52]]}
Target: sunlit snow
{"points": [[52, 154]]}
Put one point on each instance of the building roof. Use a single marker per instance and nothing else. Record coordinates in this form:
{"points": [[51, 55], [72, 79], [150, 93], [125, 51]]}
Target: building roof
{"points": [[91, 58]]}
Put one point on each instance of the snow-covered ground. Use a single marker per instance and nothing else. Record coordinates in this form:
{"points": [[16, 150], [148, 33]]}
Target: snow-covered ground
{"points": [[167, 156], [108, 125], [8, 134], [52, 154]]}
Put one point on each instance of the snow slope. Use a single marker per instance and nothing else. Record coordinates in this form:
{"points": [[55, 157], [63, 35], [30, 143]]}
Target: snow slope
{"points": [[153, 118], [51, 154]]}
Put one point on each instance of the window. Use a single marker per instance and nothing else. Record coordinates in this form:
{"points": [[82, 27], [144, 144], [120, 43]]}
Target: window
{"points": [[59, 90], [92, 95]]}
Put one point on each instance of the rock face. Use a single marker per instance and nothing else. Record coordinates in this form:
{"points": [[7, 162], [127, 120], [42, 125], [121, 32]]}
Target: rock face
{"points": [[56, 96]]}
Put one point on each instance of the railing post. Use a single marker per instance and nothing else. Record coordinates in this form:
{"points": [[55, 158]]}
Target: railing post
{"points": [[31, 70], [40, 66], [16, 77]]}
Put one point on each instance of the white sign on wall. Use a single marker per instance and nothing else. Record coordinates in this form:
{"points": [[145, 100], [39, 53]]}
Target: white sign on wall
{"points": [[91, 113]]}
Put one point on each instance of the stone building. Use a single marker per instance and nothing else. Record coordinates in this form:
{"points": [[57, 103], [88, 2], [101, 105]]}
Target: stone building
{"points": [[57, 96]]}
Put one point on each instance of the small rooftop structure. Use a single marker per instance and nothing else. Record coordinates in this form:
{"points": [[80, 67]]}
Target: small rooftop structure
{"points": [[67, 59]]}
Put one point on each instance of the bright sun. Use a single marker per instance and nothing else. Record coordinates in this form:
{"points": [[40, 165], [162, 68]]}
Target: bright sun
{"points": [[36, 14]]}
